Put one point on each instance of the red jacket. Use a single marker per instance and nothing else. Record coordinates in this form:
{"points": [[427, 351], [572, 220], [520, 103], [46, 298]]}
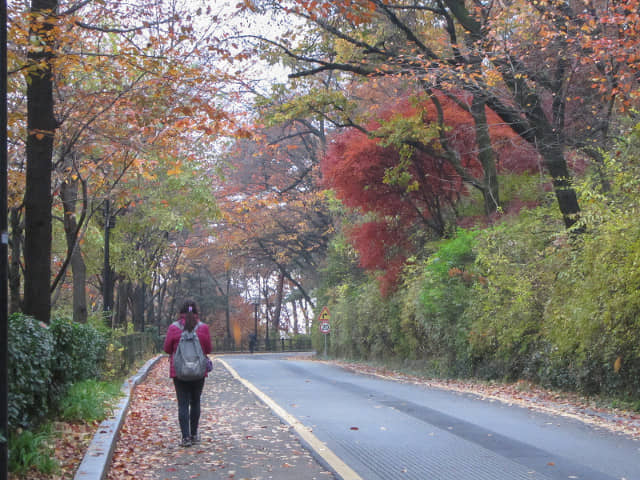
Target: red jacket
{"points": [[173, 338]]}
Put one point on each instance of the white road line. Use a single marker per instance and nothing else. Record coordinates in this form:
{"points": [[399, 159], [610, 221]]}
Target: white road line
{"points": [[321, 449]]}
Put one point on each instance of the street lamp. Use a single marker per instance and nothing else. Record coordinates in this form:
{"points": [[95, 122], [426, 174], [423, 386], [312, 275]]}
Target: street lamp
{"points": [[109, 223]]}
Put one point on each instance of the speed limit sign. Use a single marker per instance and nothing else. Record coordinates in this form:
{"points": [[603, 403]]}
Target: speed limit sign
{"points": [[324, 327]]}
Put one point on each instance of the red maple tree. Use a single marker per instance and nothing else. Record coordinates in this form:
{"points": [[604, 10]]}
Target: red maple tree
{"points": [[409, 191]]}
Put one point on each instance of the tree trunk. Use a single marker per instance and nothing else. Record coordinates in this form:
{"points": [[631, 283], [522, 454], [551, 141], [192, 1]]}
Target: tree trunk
{"points": [[79, 270], [161, 295], [171, 273], [486, 156], [151, 311], [138, 307], [267, 306], [554, 161], [120, 319], [41, 126], [69, 197], [227, 304], [15, 305], [307, 320], [278, 305], [296, 327]]}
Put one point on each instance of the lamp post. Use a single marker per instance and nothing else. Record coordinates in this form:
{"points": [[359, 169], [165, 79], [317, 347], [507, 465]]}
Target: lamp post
{"points": [[107, 291]]}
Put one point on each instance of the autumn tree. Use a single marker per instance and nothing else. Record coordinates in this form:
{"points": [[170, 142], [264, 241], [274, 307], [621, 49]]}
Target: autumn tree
{"points": [[41, 127], [493, 51], [274, 214], [117, 75], [404, 191]]}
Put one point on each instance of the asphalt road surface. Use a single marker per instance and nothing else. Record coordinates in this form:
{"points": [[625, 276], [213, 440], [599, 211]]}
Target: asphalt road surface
{"points": [[389, 430]]}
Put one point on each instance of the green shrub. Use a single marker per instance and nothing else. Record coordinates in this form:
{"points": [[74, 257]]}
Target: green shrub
{"points": [[31, 355], [519, 262], [348, 337], [446, 282], [342, 281], [419, 322], [426, 329], [79, 351], [30, 451], [593, 315], [44, 361]]}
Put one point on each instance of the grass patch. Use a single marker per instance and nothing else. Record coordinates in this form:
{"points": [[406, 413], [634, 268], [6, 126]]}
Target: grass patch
{"points": [[29, 451], [32, 453], [89, 401]]}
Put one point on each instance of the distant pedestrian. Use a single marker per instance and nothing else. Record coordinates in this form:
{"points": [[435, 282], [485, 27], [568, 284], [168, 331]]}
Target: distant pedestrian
{"points": [[252, 342], [187, 392]]}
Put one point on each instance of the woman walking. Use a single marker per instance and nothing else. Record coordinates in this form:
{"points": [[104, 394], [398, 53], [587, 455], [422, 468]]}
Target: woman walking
{"points": [[187, 392]]}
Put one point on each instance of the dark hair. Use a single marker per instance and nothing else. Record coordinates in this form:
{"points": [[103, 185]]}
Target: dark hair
{"points": [[190, 311]]}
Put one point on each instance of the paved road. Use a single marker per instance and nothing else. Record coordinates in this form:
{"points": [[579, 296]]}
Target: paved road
{"points": [[388, 430]]}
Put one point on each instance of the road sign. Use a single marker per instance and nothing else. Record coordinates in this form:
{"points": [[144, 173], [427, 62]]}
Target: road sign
{"points": [[324, 315], [324, 327]]}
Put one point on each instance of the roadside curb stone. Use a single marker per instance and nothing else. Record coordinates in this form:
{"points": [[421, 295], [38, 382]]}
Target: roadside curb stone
{"points": [[97, 458]]}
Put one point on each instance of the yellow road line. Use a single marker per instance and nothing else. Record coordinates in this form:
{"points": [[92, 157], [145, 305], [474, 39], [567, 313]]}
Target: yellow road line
{"points": [[321, 449]]}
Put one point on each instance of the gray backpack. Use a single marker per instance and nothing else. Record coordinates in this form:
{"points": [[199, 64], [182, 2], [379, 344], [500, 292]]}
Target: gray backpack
{"points": [[189, 361]]}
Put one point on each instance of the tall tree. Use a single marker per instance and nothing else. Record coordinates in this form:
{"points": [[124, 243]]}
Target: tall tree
{"points": [[492, 50], [155, 213], [41, 127], [273, 212], [4, 320], [404, 191], [118, 72]]}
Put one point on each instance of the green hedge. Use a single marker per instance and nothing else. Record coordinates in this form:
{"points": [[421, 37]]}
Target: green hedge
{"points": [[520, 300], [31, 347], [45, 360], [79, 353], [418, 324]]}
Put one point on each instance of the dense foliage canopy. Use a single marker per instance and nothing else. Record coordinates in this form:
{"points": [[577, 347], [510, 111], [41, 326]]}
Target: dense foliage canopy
{"points": [[458, 175]]}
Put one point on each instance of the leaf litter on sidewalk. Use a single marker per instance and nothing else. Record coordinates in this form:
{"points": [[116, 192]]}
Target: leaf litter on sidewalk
{"points": [[240, 436], [523, 394]]}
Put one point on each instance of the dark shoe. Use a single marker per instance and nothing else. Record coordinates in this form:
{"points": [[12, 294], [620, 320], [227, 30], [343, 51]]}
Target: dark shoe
{"points": [[195, 439], [186, 442]]}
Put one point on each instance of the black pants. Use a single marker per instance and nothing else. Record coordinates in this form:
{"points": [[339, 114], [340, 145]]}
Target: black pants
{"points": [[188, 394]]}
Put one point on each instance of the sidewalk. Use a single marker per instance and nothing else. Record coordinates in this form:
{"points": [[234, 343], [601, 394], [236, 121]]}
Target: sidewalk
{"points": [[241, 437]]}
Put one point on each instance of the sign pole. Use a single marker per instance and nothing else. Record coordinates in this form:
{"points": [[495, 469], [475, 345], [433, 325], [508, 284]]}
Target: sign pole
{"points": [[325, 345], [325, 328]]}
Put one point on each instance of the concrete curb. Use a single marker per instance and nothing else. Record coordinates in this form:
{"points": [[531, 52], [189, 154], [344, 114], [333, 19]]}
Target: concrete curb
{"points": [[95, 464]]}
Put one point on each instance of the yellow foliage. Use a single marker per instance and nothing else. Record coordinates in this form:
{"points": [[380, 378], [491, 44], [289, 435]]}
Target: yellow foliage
{"points": [[617, 365]]}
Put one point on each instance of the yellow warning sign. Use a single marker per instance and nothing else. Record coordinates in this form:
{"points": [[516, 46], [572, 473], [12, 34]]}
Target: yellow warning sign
{"points": [[324, 315]]}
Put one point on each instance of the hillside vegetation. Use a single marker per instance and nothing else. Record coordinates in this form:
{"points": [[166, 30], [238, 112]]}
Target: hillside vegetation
{"points": [[522, 298]]}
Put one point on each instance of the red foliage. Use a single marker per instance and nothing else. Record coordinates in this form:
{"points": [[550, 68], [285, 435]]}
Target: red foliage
{"points": [[355, 166], [382, 248], [377, 243], [514, 154]]}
